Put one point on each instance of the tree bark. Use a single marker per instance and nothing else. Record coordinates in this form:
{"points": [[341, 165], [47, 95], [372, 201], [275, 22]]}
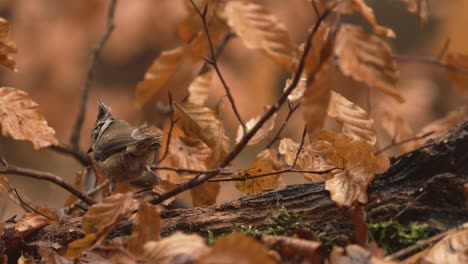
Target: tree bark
{"points": [[426, 184]]}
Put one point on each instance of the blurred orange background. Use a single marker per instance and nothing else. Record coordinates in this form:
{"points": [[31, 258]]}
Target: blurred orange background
{"points": [[55, 39]]}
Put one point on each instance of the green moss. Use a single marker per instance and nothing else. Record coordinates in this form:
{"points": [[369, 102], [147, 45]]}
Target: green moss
{"points": [[211, 238], [392, 236]]}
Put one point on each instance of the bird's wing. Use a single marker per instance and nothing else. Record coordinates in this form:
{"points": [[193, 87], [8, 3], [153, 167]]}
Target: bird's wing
{"points": [[113, 146]]}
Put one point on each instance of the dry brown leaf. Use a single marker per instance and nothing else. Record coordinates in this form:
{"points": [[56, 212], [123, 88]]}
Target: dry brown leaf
{"points": [[316, 100], [162, 69], [367, 58], [298, 92], [459, 79], [419, 7], [177, 246], [394, 124], [200, 46], [301, 250], [200, 88], [202, 123], [31, 222], [189, 153], [260, 134], [321, 49], [21, 119], [354, 254], [205, 194], [360, 165], [354, 121], [238, 249], [265, 162], [368, 13], [452, 249], [50, 256], [260, 30], [100, 219], [318, 156], [146, 227], [441, 126], [7, 47]]}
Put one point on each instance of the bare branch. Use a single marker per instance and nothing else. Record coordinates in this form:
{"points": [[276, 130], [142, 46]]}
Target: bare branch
{"points": [[75, 137], [213, 62], [47, 176], [444, 49], [32, 208], [397, 143], [301, 145], [271, 173], [292, 110], [430, 60], [78, 154], [247, 136], [190, 171]]}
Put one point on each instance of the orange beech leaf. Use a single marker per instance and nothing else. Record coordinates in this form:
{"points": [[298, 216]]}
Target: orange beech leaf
{"points": [[177, 246], [31, 222], [159, 73], [316, 99], [7, 47], [203, 123], [368, 13], [189, 153], [441, 126], [21, 119], [459, 79], [452, 249], [236, 248], [354, 254], [200, 88], [360, 165], [298, 92], [418, 7], [265, 162], [354, 121], [394, 124], [367, 58], [260, 30], [290, 247], [200, 46], [261, 133], [205, 194], [146, 227], [100, 219], [318, 156]]}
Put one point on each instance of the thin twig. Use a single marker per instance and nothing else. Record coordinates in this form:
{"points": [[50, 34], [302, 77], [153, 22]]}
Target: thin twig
{"points": [[32, 208], [397, 143], [78, 154], [444, 49], [190, 171], [430, 60], [75, 137], [247, 136], [213, 62], [250, 177], [292, 110], [301, 145], [219, 49], [47, 176], [169, 135], [80, 204]]}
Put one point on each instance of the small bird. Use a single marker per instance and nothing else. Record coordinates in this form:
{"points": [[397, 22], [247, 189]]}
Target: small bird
{"points": [[121, 151]]}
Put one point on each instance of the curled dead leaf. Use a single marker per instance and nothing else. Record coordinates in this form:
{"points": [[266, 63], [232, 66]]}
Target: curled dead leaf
{"points": [[200, 88], [7, 46], [367, 58], [368, 13], [159, 73], [21, 119], [418, 7], [452, 249], [261, 133], [177, 246], [189, 153], [354, 121], [260, 30], [265, 162], [146, 227], [31, 222], [205, 194], [236, 248]]}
